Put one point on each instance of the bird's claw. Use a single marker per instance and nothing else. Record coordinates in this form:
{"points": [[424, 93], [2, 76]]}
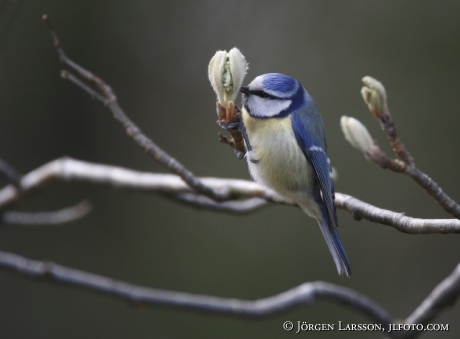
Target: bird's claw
{"points": [[238, 154], [226, 126]]}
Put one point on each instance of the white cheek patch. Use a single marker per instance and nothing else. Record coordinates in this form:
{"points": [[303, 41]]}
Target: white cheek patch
{"points": [[266, 108]]}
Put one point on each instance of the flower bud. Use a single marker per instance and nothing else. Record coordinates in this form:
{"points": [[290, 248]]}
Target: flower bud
{"points": [[226, 73], [374, 95], [356, 134]]}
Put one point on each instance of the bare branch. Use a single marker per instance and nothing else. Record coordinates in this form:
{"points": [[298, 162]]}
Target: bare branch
{"points": [[303, 295], [433, 189], [443, 296], [47, 218], [374, 96], [108, 97], [389, 127], [72, 78], [68, 169], [233, 206], [360, 209]]}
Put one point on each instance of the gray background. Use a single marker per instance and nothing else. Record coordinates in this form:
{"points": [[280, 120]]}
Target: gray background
{"points": [[155, 55]]}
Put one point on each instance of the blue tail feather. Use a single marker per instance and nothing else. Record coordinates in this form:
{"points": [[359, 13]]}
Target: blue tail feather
{"points": [[336, 248]]}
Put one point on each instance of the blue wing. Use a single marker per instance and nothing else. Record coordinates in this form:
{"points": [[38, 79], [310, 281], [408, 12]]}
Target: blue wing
{"points": [[314, 148], [309, 132]]}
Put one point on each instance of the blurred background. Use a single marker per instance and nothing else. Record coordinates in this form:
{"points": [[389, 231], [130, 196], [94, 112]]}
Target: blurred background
{"points": [[155, 56]]}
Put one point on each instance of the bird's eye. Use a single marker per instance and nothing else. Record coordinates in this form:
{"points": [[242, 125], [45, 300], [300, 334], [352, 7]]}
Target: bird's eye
{"points": [[263, 94]]}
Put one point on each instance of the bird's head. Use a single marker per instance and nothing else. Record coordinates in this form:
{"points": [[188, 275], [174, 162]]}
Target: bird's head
{"points": [[273, 95]]}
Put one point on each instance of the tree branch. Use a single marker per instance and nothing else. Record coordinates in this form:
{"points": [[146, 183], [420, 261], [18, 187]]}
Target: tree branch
{"points": [[47, 218], [433, 189], [232, 206], [36, 218], [443, 296], [256, 196], [303, 295], [374, 96], [109, 99], [360, 209], [306, 294]]}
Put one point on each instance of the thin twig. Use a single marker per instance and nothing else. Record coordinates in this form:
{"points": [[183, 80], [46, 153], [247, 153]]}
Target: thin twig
{"points": [[374, 96], [47, 218], [108, 97], [430, 186], [433, 189], [68, 169], [232, 206], [303, 295], [444, 295], [92, 93], [388, 125]]}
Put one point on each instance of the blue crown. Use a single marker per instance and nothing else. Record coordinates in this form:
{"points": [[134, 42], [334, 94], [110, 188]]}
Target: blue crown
{"points": [[280, 83]]}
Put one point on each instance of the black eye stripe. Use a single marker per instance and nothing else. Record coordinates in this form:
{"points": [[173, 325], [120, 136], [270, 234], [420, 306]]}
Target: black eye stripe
{"points": [[263, 94]]}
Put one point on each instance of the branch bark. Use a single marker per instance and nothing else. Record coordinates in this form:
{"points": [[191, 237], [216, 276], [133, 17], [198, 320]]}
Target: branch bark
{"points": [[375, 97], [305, 294], [58, 217], [255, 195], [443, 296], [362, 210], [109, 99]]}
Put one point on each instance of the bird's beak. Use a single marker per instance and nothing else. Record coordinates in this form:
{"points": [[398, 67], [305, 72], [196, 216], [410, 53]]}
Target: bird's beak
{"points": [[244, 89]]}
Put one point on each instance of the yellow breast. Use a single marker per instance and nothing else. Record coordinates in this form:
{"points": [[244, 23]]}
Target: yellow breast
{"points": [[281, 166]]}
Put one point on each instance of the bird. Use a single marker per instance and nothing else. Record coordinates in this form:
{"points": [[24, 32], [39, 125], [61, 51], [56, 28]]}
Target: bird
{"points": [[287, 152]]}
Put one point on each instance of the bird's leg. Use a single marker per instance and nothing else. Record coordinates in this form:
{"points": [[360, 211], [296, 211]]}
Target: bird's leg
{"points": [[246, 140]]}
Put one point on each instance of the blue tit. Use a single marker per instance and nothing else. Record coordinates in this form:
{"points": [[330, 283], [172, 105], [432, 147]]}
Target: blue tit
{"points": [[286, 152]]}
